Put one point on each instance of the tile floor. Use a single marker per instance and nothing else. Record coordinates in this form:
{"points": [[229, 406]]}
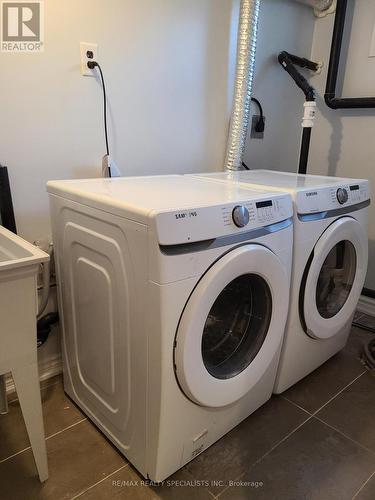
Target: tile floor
{"points": [[316, 441]]}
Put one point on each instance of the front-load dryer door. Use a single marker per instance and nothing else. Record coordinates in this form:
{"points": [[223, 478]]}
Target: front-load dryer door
{"points": [[335, 278], [232, 326]]}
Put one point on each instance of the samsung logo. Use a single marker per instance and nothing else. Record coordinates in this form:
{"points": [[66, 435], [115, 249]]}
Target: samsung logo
{"points": [[312, 193], [184, 215]]}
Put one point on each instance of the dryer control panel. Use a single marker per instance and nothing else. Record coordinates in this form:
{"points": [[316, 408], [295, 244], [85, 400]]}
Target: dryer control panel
{"points": [[203, 223], [332, 197]]}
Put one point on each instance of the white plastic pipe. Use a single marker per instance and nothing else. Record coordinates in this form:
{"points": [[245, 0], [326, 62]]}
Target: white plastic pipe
{"points": [[321, 7], [45, 290], [46, 283]]}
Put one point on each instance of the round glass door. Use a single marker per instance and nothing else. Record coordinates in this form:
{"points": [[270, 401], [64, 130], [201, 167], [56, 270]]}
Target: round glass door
{"points": [[336, 279], [236, 326], [232, 326]]}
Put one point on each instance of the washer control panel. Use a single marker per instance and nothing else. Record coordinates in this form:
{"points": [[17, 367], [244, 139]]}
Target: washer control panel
{"points": [[332, 197], [207, 222], [342, 195], [266, 210], [255, 213], [240, 216]]}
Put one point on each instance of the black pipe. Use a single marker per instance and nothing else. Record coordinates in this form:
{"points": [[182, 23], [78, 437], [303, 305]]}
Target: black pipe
{"points": [[304, 152], [6, 205], [302, 62], [287, 61], [333, 68]]}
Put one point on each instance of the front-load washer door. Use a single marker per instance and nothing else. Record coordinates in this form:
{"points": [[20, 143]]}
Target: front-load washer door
{"points": [[335, 278], [232, 326]]}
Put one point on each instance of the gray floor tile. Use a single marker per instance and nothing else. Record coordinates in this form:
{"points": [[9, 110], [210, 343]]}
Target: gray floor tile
{"points": [[12, 396], [314, 463], [77, 458], [367, 320], [246, 443], [353, 411], [51, 381], [128, 484], [321, 385], [58, 409], [58, 413], [13, 435], [357, 340], [368, 490], [357, 315]]}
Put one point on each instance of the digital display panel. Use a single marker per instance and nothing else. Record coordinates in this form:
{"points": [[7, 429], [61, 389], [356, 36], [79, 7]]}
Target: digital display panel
{"points": [[262, 204], [354, 188]]}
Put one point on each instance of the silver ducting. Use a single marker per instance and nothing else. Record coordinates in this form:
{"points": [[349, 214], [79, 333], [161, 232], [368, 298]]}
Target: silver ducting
{"points": [[246, 48]]}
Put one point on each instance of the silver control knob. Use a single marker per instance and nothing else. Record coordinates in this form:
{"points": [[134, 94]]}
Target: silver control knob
{"points": [[342, 195], [240, 216]]}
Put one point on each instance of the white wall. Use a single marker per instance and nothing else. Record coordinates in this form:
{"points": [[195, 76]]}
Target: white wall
{"points": [[166, 68], [165, 64], [343, 141], [284, 25]]}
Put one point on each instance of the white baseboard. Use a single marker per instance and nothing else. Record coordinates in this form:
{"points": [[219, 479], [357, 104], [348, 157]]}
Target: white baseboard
{"points": [[47, 369], [366, 305]]}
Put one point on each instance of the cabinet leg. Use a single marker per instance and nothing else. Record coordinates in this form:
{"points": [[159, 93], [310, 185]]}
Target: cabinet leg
{"points": [[26, 379]]}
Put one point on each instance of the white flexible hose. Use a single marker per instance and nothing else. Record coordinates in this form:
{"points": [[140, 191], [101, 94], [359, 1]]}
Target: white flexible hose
{"points": [[46, 285]]}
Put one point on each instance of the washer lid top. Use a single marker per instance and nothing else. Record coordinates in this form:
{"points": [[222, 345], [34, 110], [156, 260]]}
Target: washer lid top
{"points": [[311, 193], [183, 209]]}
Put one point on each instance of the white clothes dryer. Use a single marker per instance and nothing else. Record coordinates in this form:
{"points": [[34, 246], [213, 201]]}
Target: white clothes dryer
{"points": [[173, 295], [329, 263]]}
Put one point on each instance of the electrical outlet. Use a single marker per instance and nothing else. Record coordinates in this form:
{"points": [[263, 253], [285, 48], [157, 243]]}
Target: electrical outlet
{"points": [[87, 49], [253, 132]]}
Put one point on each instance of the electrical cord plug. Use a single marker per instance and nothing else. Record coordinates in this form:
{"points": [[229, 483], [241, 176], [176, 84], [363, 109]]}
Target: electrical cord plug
{"points": [[92, 64], [259, 127]]}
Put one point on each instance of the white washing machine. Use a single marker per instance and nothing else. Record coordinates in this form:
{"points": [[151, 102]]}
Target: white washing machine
{"points": [[329, 263], [173, 294]]}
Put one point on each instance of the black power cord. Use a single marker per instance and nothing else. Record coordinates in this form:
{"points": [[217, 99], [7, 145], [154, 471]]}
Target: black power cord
{"points": [[93, 65], [44, 326], [259, 126]]}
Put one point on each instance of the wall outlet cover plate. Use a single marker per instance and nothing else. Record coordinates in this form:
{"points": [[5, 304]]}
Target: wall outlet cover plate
{"points": [[84, 48]]}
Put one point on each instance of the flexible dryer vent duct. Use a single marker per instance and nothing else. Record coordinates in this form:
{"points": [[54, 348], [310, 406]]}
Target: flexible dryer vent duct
{"points": [[246, 48]]}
